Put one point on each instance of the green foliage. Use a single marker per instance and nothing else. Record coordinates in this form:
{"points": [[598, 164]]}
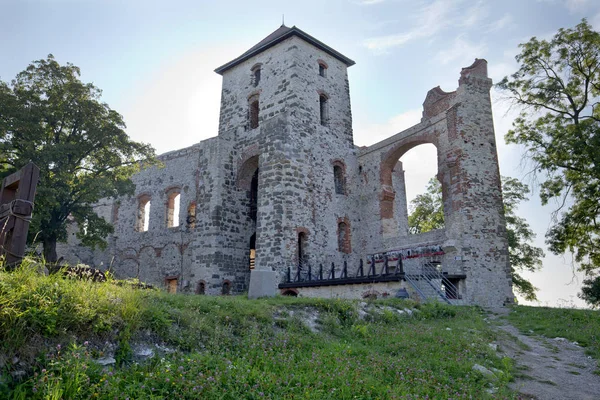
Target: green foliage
{"points": [[522, 254], [558, 86], [581, 326], [50, 117], [229, 347], [427, 210], [427, 213], [590, 291]]}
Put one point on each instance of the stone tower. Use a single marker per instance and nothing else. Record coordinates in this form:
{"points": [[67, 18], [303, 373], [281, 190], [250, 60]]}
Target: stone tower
{"points": [[285, 112]]}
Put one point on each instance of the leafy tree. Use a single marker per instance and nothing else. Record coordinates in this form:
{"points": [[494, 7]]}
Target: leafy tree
{"points": [[427, 213], [558, 87], [427, 209], [590, 292], [50, 117]]}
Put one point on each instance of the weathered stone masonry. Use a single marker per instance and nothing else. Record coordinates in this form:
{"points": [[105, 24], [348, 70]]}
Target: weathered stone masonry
{"points": [[284, 182]]}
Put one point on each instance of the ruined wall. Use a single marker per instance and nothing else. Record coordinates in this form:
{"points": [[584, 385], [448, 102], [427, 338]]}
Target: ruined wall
{"points": [[295, 151], [460, 125]]}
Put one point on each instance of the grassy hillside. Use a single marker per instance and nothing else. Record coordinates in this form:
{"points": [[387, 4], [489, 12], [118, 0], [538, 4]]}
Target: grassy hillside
{"points": [[53, 332], [581, 326]]}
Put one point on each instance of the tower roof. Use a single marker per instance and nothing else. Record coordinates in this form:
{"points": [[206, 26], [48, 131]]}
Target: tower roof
{"points": [[279, 35]]}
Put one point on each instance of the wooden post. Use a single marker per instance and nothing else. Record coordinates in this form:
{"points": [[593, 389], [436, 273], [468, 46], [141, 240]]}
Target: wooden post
{"points": [[16, 207]]}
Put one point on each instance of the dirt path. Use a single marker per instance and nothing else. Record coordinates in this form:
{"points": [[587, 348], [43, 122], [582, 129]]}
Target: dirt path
{"points": [[547, 369]]}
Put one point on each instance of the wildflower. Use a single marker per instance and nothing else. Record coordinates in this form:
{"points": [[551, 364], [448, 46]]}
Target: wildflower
{"points": [[86, 343]]}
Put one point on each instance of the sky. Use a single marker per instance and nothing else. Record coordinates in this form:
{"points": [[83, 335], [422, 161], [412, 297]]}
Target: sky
{"points": [[155, 61]]}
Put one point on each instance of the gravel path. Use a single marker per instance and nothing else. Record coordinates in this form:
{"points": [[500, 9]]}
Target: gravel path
{"points": [[547, 369]]}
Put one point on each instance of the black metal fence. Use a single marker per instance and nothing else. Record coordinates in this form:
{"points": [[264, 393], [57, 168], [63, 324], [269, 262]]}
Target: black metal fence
{"points": [[305, 275]]}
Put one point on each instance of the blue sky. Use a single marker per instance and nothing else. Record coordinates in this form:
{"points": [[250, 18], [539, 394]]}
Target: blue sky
{"points": [[154, 61]]}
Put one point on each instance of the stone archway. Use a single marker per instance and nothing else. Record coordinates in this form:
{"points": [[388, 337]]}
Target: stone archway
{"points": [[392, 181]]}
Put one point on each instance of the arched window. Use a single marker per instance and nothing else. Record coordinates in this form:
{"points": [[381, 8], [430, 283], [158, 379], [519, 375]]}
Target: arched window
{"points": [[173, 203], [256, 74], [323, 109], [142, 222], [343, 234], [302, 241], [339, 178], [322, 69], [201, 288], [191, 215], [226, 289], [253, 111]]}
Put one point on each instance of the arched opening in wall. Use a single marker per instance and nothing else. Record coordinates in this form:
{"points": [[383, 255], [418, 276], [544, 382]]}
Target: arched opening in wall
{"points": [[253, 111], [302, 244], [247, 179], [290, 292], [173, 205], [226, 288], [252, 251], [424, 201], [171, 284], [201, 288], [339, 177], [322, 68], [323, 109], [256, 74], [142, 222], [254, 196], [408, 191], [343, 236], [191, 215]]}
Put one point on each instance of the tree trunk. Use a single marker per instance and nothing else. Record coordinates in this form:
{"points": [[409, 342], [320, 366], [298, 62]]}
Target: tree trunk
{"points": [[50, 255]]}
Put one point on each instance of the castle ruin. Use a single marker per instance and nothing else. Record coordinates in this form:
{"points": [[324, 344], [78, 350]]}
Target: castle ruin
{"points": [[282, 192]]}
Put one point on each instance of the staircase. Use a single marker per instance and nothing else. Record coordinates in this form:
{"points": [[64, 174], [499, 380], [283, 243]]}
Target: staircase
{"points": [[432, 284]]}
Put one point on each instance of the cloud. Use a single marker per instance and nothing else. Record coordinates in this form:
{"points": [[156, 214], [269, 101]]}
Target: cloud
{"points": [[367, 134], [576, 6], [474, 15], [502, 23], [429, 21], [369, 2], [461, 50], [432, 19]]}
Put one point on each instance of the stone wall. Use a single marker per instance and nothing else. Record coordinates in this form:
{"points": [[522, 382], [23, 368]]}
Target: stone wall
{"points": [[295, 151]]}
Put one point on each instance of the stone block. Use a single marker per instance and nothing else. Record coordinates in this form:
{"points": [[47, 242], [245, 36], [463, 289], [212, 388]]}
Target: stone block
{"points": [[262, 284]]}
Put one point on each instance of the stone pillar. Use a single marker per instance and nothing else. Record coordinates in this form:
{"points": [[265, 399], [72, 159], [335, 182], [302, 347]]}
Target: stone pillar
{"points": [[477, 208]]}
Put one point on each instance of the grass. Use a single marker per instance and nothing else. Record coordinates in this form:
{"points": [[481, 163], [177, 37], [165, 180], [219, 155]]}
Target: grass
{"points": [[230, 347], [581, 326]]}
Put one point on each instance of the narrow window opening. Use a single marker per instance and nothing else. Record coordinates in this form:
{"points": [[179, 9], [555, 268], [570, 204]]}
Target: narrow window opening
{"points": [[344, 237], [339, 179], [322, 70], [191, 215], [201, 289], [254, 109], [171, 285], [256, 74], [173, 205], [143, 214], [323, 109], [226, 290], [301, 249], [146, 216]]}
